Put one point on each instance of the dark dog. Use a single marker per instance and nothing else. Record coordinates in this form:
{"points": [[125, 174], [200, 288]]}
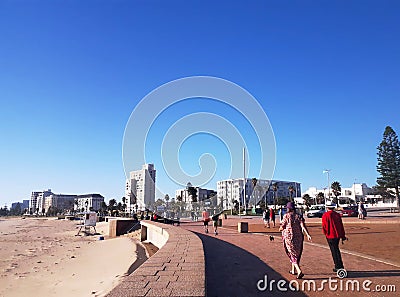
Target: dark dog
{"points": [[271, 238]]}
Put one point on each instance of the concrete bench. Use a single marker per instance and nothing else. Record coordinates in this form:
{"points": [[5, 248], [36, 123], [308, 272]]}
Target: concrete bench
{"points": [[176, 269]]}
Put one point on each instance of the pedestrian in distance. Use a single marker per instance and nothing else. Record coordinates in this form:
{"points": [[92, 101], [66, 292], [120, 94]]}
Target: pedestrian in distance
{"points": [[332, 226], [215, 219], [266, 218], [293, 229], [361, 211], [206, 218], [272, 216]]}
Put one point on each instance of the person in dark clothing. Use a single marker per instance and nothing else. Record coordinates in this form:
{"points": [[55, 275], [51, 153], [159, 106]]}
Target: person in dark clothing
{"points": [[215, 219], [332, 226]]}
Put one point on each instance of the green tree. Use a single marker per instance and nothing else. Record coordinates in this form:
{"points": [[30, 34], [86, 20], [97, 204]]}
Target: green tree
{"points": [[16, 211], [275, 187], [166, 198], [307, 200], [320, 198], [336, 189], [124, 206], [389, 162], [103, 207], [291, 191], [254, 182], [193, 192], [111, 206]]}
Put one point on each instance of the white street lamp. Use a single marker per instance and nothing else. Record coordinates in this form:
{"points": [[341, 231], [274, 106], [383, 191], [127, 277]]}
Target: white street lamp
{"points": [[329, 186]]}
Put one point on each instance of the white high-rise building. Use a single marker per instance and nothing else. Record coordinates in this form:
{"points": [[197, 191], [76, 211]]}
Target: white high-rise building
{"points": [[140, 187], [37, 201]]}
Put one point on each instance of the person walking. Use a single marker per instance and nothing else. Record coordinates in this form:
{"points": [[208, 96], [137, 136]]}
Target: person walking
{"points": [[206, 218], [361, 211], [272, 216], [266, 217], [293, 227], [332, 226], [215, 219]]}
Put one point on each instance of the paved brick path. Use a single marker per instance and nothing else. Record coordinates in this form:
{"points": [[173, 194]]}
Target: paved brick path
{"points": [[236, 262]]}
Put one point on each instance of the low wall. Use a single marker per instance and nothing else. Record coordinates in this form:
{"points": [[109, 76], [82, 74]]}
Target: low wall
{"points": [[117, 227], [176, 269]]}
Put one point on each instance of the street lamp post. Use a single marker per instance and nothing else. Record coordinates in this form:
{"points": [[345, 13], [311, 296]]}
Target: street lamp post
{"points": [[327, 171]]}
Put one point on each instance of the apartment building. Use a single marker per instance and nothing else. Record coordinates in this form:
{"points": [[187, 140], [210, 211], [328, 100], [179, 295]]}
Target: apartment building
{"points": [[232, 189], [140, 187]]}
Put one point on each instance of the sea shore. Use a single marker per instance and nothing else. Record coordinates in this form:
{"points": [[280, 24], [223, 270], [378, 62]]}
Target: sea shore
{"points": [[44, 257]]}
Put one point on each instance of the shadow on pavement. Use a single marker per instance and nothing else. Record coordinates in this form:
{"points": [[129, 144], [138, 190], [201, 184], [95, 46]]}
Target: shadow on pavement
{"points": [[232, 271], [370, 274]]}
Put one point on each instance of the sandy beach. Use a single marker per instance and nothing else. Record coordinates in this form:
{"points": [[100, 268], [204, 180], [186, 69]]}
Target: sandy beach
{"points": [[43, 257]]}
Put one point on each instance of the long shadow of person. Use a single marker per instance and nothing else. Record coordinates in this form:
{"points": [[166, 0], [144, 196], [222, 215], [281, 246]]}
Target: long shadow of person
{"points": [[232, 271]]}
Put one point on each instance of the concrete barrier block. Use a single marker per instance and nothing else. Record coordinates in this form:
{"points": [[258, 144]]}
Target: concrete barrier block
{"points": [[243, 227]]}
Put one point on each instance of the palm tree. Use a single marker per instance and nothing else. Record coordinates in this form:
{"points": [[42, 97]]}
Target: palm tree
{"points": [[103, 207], [76, 203], [307, 200], [111, 205], [193, 192], [291, 190], [275, 187], [336, 189], [254, 184], [166, 198], [124, 200], [320, 197]]}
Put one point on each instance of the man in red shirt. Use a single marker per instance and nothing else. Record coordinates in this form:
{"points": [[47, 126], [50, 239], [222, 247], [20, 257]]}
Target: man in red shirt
{"points": [[206, 218], [332, 226]]}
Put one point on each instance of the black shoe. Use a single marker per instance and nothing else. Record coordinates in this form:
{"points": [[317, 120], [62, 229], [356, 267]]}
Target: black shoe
{"points": [[300, 275]]}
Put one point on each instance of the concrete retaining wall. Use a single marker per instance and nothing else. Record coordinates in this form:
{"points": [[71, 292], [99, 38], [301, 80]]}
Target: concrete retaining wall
{"points": [[176, 269]]}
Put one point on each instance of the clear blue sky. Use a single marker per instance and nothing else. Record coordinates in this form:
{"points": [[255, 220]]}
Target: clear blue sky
{"points": [[326, 73]]}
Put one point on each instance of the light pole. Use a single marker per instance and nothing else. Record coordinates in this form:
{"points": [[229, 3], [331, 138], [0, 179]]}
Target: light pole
{"points": [[327, 171]]}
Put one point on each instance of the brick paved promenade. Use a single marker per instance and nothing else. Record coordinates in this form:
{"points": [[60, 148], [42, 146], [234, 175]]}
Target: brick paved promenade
{"points": [[236, 262]]}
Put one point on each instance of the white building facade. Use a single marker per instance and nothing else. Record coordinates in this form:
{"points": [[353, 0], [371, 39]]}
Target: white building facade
{"points": [[40, 202], [353, 194], [140, 188], [202, 194], [231, 190], [88, 202]]}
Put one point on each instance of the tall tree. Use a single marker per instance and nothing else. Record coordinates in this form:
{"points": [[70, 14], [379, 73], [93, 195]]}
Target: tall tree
{"points": [[307, 200], [291, 191], [111, 206], [193, 193], [336, 189], [254, 184], [320, 197], [275, 187], [389, 162]]}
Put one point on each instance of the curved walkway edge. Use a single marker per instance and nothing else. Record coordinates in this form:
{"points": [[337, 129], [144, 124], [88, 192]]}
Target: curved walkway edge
{"points": [[176, 269]]}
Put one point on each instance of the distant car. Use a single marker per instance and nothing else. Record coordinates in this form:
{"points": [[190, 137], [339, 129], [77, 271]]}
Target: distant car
{"points": [[316, 211], [349, 211]]}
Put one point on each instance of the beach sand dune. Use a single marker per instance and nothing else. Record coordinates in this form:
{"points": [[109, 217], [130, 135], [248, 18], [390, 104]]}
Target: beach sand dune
{"points": [[43, 257]]}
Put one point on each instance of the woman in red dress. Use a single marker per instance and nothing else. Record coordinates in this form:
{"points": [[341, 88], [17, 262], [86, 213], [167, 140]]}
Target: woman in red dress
{"points": [[292, 227]]}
